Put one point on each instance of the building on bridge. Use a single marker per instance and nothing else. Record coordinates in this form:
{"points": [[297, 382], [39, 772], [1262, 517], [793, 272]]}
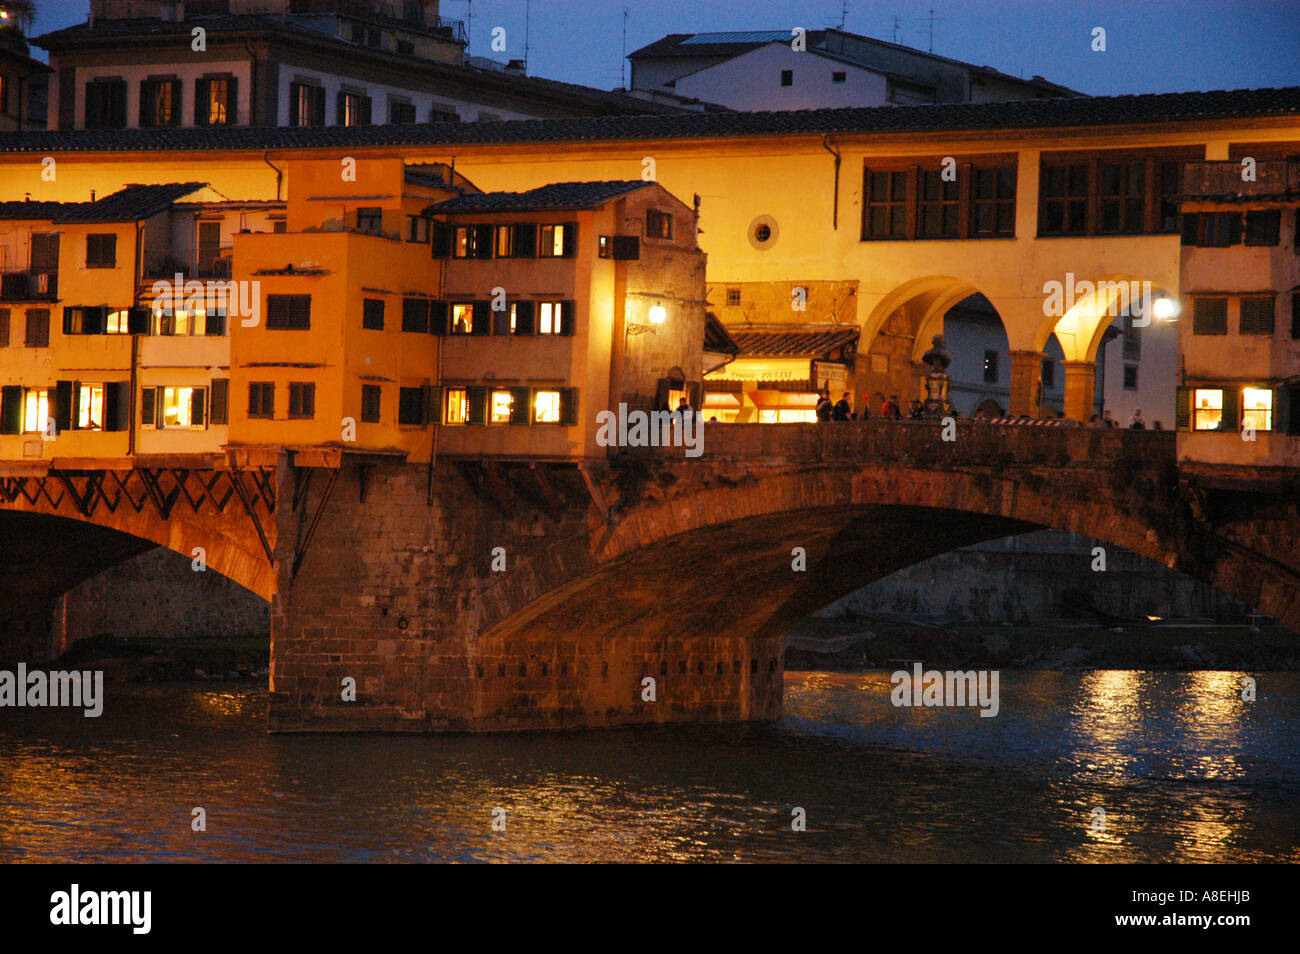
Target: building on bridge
{"points": [[1239, 392], [137, 64]]}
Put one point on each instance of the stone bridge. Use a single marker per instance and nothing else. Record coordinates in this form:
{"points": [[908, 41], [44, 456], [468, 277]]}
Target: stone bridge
{"points": [[485, 594]]}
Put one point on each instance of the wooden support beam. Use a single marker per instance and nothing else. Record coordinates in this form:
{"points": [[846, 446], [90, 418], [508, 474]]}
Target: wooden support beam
{"points": [[301, 550], [497, 488], [596, 497], [237, 481], [554, 507]]}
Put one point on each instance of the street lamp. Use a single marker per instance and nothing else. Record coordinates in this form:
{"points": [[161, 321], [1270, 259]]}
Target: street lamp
{"points": [[658, 314], [1165, 308]]}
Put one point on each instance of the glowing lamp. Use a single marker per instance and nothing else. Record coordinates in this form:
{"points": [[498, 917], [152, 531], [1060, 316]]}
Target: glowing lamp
{"points": [[1165, 308], [658, 314]]}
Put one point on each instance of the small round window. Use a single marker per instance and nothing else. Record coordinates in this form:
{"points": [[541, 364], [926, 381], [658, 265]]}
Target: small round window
{"points": [[763, 232]]}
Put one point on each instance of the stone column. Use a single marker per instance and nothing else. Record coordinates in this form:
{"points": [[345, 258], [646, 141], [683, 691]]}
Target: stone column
{"points": [[1080, 389], [1026, 373]]}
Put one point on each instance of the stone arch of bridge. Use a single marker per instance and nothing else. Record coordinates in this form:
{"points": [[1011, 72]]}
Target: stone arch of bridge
{"points": [[720, 562]]}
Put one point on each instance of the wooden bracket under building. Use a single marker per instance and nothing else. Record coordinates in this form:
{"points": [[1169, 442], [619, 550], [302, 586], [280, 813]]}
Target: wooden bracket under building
{"points": [[301, 550], [596, 497]]}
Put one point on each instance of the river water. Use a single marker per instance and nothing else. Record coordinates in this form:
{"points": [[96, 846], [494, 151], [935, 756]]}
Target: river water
{"points": [[1183, 769]]}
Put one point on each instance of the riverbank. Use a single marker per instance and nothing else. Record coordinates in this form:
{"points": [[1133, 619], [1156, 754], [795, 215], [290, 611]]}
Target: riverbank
{"points": [[846, 644]]}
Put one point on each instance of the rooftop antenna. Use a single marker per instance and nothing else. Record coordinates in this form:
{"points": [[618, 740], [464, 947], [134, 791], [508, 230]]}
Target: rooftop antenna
{"points": [[469, 23], [898, 24], [526, 6], [623, 65], [844, 13], [932, 20]]}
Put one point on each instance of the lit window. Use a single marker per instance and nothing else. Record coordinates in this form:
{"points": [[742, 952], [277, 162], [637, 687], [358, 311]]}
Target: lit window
{"points": [[36, 410], [462, 319], [1208, 405], [463, 243], [551, 243], [182, 407], [546, 407], [116, 324], [1257, 408], [548, 317], [505, 241], [457, 406], [90, 407], [502, 403]]}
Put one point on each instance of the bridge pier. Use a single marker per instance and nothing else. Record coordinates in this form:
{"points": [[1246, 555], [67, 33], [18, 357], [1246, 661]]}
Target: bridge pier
{"points": [[1080, 389], [1026, 375]]}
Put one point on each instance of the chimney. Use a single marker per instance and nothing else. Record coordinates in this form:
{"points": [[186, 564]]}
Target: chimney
{"points": [[517, 67]]}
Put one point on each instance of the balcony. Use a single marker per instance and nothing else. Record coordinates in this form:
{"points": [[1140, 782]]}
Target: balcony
{"points": [[215, 266], [30, 284], [1274, 179]]}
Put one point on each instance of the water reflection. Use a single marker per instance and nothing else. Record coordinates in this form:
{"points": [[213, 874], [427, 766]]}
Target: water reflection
{"points": [[1184, 770]]}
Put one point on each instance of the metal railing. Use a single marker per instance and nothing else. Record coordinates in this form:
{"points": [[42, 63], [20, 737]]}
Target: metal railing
{"points": [[29, 284]]}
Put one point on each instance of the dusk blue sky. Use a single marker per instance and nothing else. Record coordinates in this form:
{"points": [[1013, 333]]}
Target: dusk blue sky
{"points": [[1151, 45]]}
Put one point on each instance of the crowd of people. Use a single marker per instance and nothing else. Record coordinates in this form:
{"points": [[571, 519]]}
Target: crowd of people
{"points": [[891, 410]]}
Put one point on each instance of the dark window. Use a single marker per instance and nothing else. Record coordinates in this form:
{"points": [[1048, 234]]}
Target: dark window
{"points": [[733, 296], [472, 241], [1064, 209], [626, 248], [885, 212], [1218, 229], [302, 399], [370, 219], [214, 101], [106, 104], [261, 399], [4, 327], [353, 110], [410, 406], [372, 313], [289, 312], [658, 224], [939, 206], [1130, 377], [1123, 197], [415, 315], [838, 76], [209, 247], [1256, 315], [45, 250], [994, 211], [306, 105], [38, 328], [1049, 373], [417, 228], [1263, 227], [406, 48], [1132, 340], [990, 367], [370, 394], [101, 250], [160, 102], [1210, 316], [787, 77], [400, 112], [1295, 330], [437, 115], [524, 241]]}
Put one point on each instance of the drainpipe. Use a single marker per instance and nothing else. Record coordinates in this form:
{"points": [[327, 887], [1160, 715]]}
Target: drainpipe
{"points": [[835, 215], [280, 173], [252, 89]]}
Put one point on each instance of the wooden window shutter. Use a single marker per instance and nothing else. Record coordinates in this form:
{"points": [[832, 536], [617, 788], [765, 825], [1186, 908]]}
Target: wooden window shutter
{"points": [[365, 111], [568, 317], [220, 400], [4, 327], [340, 108], [148, 406], [1231, 405], [438, 311], [568, 406], [1293, 409], [11, 409], [202, 91], [94, 320], [62, 411], [570, 239], [295, 97], [232, 100], [477, 397], [137, 320], [482, 323], [520, 405], [483, 241], [432, 404], [198, 406], [501, 320], [1295, 307], [526, 240], [524, 313], [1183, 409], [318, 106], [1234, 228], [441, 240], [117, 406]]}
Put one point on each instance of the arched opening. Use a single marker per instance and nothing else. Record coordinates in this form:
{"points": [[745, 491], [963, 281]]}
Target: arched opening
{"points": [[67, 580]]}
